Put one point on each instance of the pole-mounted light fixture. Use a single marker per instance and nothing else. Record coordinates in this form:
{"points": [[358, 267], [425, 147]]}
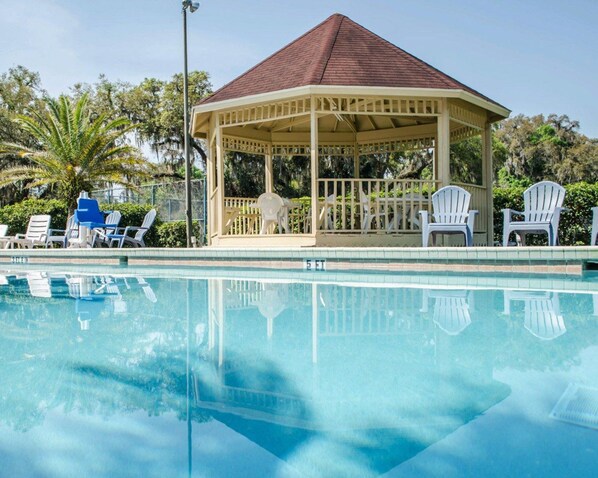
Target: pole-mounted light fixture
{"points": [[192, 7]]}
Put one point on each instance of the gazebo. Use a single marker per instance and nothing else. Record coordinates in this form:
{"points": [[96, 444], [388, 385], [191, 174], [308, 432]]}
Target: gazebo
{"points": [[341, 93]]}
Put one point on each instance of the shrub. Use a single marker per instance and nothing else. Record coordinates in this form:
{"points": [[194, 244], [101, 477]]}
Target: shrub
{"points": [[505, 198], [17, 215], [132, 215], [575, 224], [174, 234]]}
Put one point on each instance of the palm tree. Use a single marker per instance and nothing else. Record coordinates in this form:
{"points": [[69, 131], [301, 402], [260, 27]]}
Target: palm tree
{"points": [[74, 152]]}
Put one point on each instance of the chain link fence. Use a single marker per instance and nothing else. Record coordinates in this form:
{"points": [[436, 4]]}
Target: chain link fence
{"points": [[168, 199]]}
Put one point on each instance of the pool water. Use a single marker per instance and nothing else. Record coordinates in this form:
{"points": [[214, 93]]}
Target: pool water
{"points": [[142, 374]]}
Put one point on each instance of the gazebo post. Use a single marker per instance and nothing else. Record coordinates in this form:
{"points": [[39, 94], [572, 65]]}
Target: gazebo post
{"points": [[443, 146], [211, 184], [220, 176], [487, 180], [356, 158], [269, 172], [313, 123]]}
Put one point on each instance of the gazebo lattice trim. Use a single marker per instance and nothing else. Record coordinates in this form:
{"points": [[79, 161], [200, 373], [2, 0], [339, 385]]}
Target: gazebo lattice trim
{"points": [[338, 105], [262, 113], [378, 106], [467, 117], [463, 133], [412, 144], [231, 143]]}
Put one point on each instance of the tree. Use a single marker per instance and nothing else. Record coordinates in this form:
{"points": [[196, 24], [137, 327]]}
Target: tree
{"points": [[466, 159], [155, 107], [171, 129], [550, 148], [20, 93], [74, 152]]}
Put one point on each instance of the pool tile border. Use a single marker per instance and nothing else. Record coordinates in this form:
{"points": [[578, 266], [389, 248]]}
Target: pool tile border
{"points": [[557, 260]]}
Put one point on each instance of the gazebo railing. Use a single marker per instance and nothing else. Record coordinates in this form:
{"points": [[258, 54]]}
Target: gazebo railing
{"points": [[375, 205], [366, 206], [241, 216], [345, 206]]}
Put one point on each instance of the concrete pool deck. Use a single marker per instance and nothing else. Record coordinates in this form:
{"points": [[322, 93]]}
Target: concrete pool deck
{"points": [[543, 260]]}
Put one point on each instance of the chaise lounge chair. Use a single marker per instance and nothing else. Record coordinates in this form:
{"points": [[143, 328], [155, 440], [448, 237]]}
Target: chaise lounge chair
{"points": [[36, 235]]}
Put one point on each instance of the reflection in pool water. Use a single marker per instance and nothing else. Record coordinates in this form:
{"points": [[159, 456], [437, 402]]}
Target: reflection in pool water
{"points": [[139, 376]]}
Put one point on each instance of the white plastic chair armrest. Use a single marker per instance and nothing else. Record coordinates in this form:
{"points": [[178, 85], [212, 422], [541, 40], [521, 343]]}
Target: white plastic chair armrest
{"points": [[471, 218], [512, 212]]}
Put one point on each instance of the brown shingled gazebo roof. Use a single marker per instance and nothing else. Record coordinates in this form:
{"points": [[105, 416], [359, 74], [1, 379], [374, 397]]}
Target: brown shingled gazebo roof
{"points": [[340, 52]]}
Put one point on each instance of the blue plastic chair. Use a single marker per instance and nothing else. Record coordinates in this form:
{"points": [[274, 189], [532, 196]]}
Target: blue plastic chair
{"points": [[88, 213]]}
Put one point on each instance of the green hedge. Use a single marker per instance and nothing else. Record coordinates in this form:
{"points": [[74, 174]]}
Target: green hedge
{"points": [[174, 234], [16, 216], [575, 224]]}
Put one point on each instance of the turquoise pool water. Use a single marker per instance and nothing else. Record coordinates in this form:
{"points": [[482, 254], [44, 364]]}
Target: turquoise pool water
{"points": [[135, 373]]}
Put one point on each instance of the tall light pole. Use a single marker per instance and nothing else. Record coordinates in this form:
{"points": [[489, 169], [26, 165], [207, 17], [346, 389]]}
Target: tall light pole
{"points": [[191, 6]]}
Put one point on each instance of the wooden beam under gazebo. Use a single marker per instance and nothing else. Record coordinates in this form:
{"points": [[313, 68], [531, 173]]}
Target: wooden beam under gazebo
{"points": [[342, 92]]}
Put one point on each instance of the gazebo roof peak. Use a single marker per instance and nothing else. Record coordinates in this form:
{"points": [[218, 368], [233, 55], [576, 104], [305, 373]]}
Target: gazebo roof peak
{"points": [[338, 52]]}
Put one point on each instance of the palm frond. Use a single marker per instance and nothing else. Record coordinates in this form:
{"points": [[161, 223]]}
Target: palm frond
{"points": [[74, 150]]}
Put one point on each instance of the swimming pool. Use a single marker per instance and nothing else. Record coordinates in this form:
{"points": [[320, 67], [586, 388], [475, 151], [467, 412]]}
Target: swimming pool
{"points": [[133, 372]]}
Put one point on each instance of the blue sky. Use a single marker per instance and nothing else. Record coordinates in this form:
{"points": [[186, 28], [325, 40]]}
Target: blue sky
{"points": [[532, 56]]}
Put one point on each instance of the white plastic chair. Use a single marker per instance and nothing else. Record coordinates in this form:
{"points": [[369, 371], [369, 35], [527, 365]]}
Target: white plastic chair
{"points": [[594, 226], [451, 309], [325, 217], [4, 239], [542, 316], [273, 302], [270, 205], [39, 284], [147, 290], [36, 235], [542, 211], [326, 213], [62, 236], [122, 238], [451, 215], [368, 214], [100, 235], [79, 286]]}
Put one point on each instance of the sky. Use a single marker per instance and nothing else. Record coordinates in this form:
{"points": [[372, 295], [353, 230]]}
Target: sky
{"points": [[532, 56]]}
